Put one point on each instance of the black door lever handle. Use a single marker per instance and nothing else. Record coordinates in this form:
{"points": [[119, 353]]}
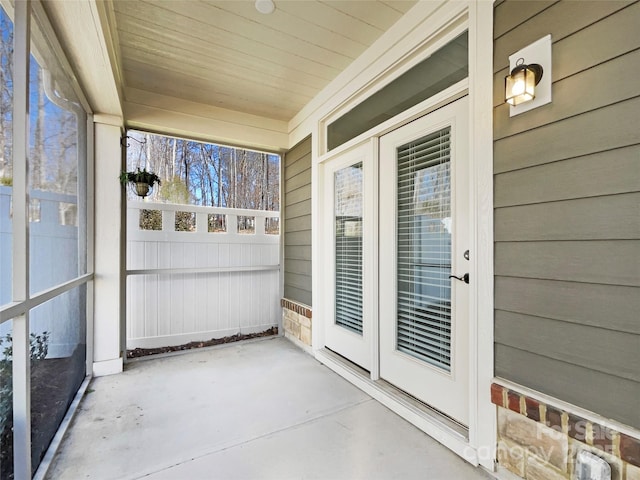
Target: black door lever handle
{"points": [[464, 278]]}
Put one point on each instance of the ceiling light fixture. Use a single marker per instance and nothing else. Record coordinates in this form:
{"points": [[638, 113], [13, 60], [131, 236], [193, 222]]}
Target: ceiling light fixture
{"points": [[265, 6]]}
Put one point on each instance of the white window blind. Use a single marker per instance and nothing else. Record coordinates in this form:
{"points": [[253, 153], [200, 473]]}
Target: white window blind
{"points": [[424, 249], [348, 247]]}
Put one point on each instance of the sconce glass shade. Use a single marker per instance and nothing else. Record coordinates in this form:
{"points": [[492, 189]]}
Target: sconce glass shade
{"points": [[520, 84]]}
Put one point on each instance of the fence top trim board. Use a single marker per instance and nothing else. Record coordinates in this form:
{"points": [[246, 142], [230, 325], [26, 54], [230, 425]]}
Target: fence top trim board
{"points": [[173, 207], [199, 232]]}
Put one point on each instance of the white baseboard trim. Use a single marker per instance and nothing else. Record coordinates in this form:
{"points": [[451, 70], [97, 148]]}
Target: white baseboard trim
{"points": [[107, 367]]}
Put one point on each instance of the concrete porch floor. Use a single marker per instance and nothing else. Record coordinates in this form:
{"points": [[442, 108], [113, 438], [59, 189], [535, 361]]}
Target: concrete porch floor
{"points": [[253, 410]]}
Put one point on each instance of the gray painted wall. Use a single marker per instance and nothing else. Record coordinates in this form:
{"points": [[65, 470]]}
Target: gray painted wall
{"points": [[297, 223], [567, 208]]}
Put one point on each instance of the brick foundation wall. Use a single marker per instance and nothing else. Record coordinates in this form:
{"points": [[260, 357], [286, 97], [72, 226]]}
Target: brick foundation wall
{"points": [[538, 441], [296, 320]]}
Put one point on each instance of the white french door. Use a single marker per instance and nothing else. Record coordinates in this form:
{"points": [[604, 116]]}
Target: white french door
{"points": [[349, 187], [424, 239]]}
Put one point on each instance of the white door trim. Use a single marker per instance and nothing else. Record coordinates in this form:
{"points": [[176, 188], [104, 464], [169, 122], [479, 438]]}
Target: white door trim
{"points": [[482, 425], [481, 445]]}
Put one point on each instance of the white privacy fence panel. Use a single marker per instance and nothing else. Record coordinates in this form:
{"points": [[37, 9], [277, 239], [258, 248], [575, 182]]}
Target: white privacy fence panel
{"points": [[200, 284], [53, 259]]}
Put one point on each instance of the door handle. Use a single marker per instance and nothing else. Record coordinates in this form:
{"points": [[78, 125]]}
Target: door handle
{"points": [[464, 278]]}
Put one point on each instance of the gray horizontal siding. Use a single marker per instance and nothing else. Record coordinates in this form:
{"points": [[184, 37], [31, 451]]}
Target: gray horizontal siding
{"points": [[514, 13], [605, 39], [595, 131], [302, 282], [300, 267], [567, 208], [297, 223], [300, 239], [594, 218], [597, 43], [592, 175], [298, 294], [610, 262], [572, 92], [555, 340], [561, 20], [299, 252], [599, 305], [299, 209], [608, 395], [298, 181], [299, 194], [297, 164]]}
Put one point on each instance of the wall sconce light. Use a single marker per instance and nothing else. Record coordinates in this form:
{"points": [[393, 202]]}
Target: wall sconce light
{"points": [[528, 85], [520, 84]]}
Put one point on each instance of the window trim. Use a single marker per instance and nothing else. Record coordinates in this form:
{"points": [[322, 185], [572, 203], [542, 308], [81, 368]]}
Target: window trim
{"points": [[457, 25]]}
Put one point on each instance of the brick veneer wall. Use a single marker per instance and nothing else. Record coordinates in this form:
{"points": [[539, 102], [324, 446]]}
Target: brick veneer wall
{"points": [[296, 320], [538, 441]]}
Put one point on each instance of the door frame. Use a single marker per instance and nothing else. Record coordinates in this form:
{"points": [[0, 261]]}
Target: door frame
{"points": [[479, 447]]}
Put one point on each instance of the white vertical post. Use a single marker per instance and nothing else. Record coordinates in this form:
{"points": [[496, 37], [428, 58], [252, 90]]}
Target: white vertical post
{"points": [[482, 425], [21, 363], [260, 225], [168, 220], [318, 212], [107, 358], [232, 224], [281, 246], [90, 236], [202, 223]]}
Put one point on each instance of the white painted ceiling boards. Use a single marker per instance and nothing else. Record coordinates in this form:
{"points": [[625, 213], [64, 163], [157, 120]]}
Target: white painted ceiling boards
{"points": [[226, 54]]}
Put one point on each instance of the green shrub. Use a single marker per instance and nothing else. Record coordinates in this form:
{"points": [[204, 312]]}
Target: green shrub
{"points": [[38, 349]]}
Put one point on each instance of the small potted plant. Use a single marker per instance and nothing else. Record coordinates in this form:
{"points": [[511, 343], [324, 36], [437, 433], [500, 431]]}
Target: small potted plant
{"points": [[142, 180]]}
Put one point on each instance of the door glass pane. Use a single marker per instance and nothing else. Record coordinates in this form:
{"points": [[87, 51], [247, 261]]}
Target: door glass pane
{"points": [[57, 147], [348, 244], [6, 155], [424, 249], [58, 351]]}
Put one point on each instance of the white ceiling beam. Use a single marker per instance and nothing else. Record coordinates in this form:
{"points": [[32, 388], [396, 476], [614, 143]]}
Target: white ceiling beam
{"points": [[86, 33]]}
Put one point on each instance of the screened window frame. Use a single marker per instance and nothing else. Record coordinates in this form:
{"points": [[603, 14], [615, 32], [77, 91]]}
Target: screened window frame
{"points": [[32, 30]]}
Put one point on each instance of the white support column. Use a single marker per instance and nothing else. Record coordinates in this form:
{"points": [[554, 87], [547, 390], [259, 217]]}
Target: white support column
{"points": [[318, 279], [21, 363], [90, 239], [482, 428], [109, 278]]}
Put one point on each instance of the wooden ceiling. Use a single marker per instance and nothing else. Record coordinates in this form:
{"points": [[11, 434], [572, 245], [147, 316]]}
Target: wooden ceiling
{"points": [[227, 54]]}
